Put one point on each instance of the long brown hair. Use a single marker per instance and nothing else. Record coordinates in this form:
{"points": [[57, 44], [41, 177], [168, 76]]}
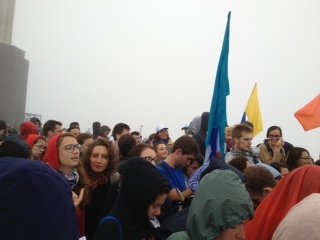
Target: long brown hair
{"points": [[94, 179]]}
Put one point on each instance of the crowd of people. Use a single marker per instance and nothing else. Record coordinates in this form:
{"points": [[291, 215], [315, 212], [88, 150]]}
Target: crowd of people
{"points": [[61, 183]]}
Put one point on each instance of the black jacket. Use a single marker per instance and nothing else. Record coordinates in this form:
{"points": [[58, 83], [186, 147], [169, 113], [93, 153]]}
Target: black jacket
{"points": [[201, 136], [140, 183]]}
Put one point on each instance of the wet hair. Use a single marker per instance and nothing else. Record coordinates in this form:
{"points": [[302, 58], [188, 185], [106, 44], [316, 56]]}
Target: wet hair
{"points": [[239, 162], [293, 156], [257, 178]]}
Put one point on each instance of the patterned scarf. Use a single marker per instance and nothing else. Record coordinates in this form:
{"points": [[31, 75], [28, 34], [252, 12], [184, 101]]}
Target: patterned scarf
{"points": [[73, 178]]}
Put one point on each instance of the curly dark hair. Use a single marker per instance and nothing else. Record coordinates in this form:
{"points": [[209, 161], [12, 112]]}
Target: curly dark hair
{"points": [[94, 177]]}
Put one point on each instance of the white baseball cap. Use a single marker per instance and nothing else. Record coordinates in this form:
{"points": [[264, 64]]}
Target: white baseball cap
{"points": [[160, 127]]}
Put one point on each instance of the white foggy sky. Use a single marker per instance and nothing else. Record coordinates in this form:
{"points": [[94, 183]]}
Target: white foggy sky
{"points": [[145, 62]]}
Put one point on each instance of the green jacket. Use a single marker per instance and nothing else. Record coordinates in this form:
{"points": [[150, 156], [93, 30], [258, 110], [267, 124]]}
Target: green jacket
{"points": [[221, 202]]}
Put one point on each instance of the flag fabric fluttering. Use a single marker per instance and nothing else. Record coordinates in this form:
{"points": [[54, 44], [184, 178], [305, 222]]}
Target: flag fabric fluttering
{"points": [[309, 115], [252, 112], [215, 142]]}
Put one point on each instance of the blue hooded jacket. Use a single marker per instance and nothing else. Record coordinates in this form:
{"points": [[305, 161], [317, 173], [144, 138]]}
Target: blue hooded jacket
{"points": [[35, 202]]}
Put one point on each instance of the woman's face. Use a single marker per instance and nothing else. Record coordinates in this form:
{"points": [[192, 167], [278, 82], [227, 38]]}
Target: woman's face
{"points": [[304, 159], [69, 152], [99, 159], [38, 149], [235, 233], [163, 134], [149, 155], [162, 152], [274, 137], [154, 209]]}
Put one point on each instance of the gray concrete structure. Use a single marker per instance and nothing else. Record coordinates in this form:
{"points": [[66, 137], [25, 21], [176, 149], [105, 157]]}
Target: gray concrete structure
{"points": [[6, 20], [13, 84], [13, 70]]}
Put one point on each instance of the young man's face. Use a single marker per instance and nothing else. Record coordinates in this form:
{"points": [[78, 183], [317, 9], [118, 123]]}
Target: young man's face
{"points": [[244, 142], [57, 129], [185, 159]]}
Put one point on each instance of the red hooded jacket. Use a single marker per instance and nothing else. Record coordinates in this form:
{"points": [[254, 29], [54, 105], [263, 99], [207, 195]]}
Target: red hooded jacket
{"points": [[299, 184], [52, 153], [27, 128]]}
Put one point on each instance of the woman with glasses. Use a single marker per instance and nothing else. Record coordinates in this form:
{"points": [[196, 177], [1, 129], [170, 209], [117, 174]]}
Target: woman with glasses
{"points": [[298, 157], [97, 173], [272, 149], [145, 152], [63, 155], [37, 145]]}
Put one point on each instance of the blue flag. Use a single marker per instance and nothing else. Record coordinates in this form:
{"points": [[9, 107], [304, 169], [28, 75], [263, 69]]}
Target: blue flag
{"points": [[215, 142]]}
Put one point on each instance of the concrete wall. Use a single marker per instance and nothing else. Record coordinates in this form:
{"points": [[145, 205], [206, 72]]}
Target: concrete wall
{"points": [[13, 84], [6, 20]]}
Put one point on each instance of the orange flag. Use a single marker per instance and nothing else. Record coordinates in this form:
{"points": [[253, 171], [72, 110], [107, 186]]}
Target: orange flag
{"points": [[309, 115]]}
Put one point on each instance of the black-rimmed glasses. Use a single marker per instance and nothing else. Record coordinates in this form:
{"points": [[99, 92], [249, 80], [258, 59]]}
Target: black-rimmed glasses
{"points": [[70, 148]]}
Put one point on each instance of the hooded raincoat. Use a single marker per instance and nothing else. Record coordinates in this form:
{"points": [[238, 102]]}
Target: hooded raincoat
{"points": [[221, 202], [140, 184], [35, 202], [291, 190]]}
